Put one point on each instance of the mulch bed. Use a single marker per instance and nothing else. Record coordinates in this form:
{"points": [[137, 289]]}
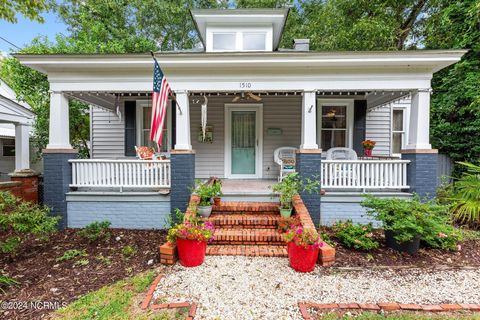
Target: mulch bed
{"points": [[42, 278], [468, 255]]}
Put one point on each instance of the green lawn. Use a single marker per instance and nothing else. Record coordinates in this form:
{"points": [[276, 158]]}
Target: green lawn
{"points": [[118, 301]]}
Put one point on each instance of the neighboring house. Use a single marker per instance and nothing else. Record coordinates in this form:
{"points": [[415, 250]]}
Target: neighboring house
{"points": [[260, 97], [16, 118]]}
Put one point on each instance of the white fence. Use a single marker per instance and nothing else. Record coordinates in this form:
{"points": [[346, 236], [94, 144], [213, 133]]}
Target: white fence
{"points": [[364, 174], [120, 173]]}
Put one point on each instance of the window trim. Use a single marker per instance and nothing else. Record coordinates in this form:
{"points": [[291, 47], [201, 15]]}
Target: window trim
{"points": [[140, 104], [406, 117], [239, 32], [349, 103]]}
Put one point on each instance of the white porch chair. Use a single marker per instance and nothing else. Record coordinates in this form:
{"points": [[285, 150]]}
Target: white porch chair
{"points": [[340, 172], [285, 158]]}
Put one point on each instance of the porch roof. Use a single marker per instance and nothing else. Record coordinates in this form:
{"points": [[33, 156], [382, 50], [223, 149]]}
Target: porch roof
{"points": [[11, 109]]}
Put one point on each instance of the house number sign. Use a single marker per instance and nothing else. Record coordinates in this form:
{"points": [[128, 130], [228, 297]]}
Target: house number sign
{"points": [[245, 85]]}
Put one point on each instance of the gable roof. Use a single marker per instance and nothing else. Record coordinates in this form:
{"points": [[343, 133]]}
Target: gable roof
{"points": [[11, 109]]}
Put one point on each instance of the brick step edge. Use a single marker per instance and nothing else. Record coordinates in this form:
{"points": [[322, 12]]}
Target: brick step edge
{"points": [[250, 235], [381, 306], [251, 207], [248, 220], [247, 250]]}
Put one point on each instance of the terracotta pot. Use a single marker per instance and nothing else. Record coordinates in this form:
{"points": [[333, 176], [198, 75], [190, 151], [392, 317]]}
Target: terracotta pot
{"points": [[191, 253], [302, 259], [368, 152], [217, 201]]}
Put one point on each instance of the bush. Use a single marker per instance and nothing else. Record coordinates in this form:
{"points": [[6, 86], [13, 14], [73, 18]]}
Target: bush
{"points": [[21, 221], [465, 196], [358, 237], [96, 231]]}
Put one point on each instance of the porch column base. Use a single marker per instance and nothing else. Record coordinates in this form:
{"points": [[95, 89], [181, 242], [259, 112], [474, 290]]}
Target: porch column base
{"points": [[422, 174], [57, 175], [308, 166], [182, 177], [29, 187]]}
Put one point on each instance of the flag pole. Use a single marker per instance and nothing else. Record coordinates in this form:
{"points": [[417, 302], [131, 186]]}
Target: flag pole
{"points": [[171, 95]]}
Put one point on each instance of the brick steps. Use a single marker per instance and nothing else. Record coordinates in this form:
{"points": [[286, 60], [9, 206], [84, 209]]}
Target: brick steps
{"points": [[247, 220], [246, 207], [248, 250], [248, 236]]}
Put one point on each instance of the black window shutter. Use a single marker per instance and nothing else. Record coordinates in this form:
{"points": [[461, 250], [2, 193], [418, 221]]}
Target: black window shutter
{"points": [[359, 125], [130, 128], [174, 124]]}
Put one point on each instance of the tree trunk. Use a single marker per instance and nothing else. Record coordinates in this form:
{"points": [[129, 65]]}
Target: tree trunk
{"points": [[406, 27]]}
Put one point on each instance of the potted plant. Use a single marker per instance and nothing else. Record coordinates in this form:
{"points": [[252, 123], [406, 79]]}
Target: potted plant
{"points": [[303, 246], [368, 146], [217, 190], [290, 186], [191, 238], [205, 191]]}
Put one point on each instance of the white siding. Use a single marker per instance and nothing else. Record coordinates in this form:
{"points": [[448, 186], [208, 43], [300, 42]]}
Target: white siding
{"points": [[108, 134]]}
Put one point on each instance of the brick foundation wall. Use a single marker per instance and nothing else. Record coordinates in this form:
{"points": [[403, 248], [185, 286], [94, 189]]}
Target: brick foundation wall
{"points": [[14, 187], [182, 179], [308, 166], [23, 185], [422, 173]]}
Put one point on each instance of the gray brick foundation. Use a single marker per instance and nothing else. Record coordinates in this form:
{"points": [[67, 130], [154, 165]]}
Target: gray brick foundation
{"points": [[182, 179], [422, 173], [57, 175], [308, 166]]}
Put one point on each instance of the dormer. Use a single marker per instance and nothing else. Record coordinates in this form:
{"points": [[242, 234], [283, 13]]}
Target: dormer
{"points": [[240, 30]]}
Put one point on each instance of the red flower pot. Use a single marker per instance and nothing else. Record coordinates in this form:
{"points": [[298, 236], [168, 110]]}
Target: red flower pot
{"points": [[191, 253], [368, 152], [302, 259]]}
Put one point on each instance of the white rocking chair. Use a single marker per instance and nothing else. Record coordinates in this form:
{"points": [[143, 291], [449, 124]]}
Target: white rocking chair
{"points": [[340, 172], [285, 158]]}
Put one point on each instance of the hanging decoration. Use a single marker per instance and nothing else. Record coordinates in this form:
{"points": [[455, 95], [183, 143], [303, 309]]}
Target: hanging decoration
{"points": [[117, 107], [204, 117]]}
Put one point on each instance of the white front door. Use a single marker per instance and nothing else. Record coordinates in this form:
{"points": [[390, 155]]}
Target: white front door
{"points": [[243, 141]]}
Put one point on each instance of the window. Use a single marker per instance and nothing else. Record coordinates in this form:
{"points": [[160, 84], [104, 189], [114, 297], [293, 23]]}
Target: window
{"points": [[144, 118], [334, 123], [254, 41], [398, 130], [224, 41], [8, 148]]}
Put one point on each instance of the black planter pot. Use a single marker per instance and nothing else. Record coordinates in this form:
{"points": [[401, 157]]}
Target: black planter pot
{"points": [[410, 247]]}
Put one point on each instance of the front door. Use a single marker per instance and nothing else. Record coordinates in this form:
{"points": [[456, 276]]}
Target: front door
{"points": [[243, 141]]}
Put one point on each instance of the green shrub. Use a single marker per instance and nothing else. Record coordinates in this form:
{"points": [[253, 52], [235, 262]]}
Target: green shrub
{"points": [[70, 254], [465, 196], [129, 251], [6, 281], [358, 237], [96, 231], [22, 221], [292, 185]]}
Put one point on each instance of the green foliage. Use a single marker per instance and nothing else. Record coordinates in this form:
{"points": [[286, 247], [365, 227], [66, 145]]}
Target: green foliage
{"points": [[104, 260], [410, 218], [292, 185], [97, 230], [466, 196], [174, 221], [6, 281], [286, 223], [27, 8], [81, 263], [326, 238], [22, 221], [359, 237], [70, 254], [206, 191], [191, 229], [129, 251]]}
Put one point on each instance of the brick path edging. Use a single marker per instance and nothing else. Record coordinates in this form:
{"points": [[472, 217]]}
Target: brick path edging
{"points": [[384, 306], [148, 299], [326, 255]]}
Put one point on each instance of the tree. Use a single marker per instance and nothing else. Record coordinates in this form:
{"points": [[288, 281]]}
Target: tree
{"points": [[28, 8]]}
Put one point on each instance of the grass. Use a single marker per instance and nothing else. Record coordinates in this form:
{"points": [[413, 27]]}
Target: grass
{"points": [[118, 301], [400, 316]]}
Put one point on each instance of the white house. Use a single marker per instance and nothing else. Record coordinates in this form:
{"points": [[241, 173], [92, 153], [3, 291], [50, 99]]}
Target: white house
{"points": [[259, 97]]}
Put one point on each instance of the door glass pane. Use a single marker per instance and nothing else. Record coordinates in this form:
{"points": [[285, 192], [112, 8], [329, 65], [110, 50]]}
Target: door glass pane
{"points": [[243, 142], [254, 41], [334, 117], [397, 120], [333, 139], [397, 142], [224, 41]]}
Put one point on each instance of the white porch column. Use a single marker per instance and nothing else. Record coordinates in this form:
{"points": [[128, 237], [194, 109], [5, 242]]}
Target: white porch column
{"points": [[309, 121], [22, 146], [59, 129], [182, 141], [419, 125]]}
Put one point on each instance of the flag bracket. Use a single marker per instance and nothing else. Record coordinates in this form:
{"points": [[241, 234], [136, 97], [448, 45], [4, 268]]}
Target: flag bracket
{"points": [[171, 95]]}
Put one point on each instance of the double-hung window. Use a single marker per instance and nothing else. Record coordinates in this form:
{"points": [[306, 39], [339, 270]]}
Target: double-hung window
{"points": [[334, 123], [398, 130], [8, 147], [144, 118]]}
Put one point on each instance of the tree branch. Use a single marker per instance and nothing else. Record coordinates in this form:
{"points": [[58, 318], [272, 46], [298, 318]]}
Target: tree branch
{"points": [[406, 27]]}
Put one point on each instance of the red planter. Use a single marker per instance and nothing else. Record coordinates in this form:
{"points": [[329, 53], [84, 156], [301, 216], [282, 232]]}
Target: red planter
{"points": [[191, 253], [368, 152], [301, 259]]}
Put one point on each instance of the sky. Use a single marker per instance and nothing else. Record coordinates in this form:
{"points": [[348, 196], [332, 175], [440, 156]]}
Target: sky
{"points": [[25, 30]]}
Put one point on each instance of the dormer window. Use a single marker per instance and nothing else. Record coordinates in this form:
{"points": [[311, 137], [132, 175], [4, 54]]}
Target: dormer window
{"points": [[239, 38]]}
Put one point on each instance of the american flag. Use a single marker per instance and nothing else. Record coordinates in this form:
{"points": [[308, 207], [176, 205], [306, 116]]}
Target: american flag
{"points": [[161, 91]]}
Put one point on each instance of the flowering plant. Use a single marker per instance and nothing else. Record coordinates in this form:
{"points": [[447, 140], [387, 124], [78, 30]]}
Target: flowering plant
{"points": [[191, 229], [368, 144], [304, 237]]}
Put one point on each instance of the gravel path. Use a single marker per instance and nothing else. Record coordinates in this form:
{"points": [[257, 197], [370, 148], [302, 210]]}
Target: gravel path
{"points": [[267, 288]]}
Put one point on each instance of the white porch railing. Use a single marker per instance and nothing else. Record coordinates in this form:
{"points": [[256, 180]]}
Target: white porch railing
{"points": [[364, 174], [120, 173]]}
